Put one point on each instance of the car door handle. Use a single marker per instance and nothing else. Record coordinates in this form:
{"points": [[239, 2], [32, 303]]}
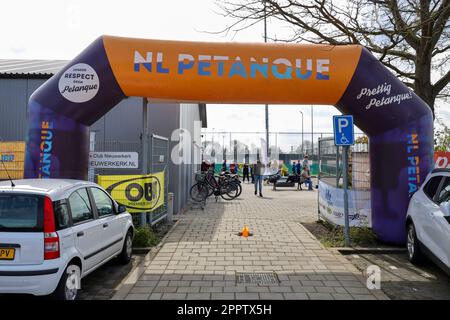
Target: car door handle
{"points": [[105, 225], [80, 234]]}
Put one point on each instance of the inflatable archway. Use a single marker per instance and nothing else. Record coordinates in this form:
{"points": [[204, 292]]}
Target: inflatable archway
{"points": [[399, 124]]}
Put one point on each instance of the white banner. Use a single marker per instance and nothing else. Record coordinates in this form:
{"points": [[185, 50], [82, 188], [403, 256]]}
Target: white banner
{"points": [[113, 160], [331, 206]]}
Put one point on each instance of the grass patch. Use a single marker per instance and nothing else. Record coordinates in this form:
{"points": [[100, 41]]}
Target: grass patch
{"points": [[333, 236], [145, 237]]}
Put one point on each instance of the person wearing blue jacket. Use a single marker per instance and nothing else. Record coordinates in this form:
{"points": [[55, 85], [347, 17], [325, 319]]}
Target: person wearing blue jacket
{"points": [[299, 168]]}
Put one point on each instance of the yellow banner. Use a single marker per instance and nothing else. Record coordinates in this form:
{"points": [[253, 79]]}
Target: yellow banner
{"points": [[13, 156], [139, 193]]}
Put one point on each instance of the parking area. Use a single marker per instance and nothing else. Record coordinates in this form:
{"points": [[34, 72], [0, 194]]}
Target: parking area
{"points": [[101, 284], [401, 280]]}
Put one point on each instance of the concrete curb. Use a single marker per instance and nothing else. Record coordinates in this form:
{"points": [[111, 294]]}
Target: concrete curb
{"points": [[124, 288], [142, 250], [357, 250]]}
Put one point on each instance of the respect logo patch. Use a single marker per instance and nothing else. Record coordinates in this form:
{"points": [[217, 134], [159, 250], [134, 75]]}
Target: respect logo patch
{"points": [[79, 83]]}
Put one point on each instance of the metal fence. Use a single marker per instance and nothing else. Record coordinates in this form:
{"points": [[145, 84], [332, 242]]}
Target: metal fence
{"points": [[330, 164], [331, 173], [289, 145], [158, 161], [295, 143]]}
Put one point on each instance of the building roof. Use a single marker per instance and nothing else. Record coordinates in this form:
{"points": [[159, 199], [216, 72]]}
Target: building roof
{"points": [[44, 69], [36, 69]]}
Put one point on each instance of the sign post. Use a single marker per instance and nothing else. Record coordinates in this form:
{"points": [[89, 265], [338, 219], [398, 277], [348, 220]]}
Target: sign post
{"points": [[145, 142], [344, 136]]}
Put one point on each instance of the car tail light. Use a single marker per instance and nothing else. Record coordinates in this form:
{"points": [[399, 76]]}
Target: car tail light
{"points": [[51, 239]]}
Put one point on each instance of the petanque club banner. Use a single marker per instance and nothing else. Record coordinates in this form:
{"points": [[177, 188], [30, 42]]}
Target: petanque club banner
{"points": [[331, 206], [139, 193]]}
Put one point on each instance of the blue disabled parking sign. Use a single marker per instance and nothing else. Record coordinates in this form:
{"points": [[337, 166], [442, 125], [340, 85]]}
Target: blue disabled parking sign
{"points": [[343, 130]]}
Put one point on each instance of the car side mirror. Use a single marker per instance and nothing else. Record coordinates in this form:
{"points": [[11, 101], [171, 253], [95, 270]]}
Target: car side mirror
{"points": [[121, 208]]}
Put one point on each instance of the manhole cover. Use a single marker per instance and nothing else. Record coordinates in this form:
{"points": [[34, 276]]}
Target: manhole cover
{"points": [[258, 278]]}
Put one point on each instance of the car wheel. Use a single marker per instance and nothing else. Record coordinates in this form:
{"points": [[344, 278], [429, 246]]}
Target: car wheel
{"points": [[413, 246], [127, 250], [69, 283]]}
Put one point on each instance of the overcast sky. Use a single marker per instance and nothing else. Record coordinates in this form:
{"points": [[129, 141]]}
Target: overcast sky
{"points": [[55, 29]]}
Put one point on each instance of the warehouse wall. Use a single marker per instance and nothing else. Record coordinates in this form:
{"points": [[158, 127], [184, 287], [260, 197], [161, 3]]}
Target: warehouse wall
{"points": [[189, 113], [14, 94]]}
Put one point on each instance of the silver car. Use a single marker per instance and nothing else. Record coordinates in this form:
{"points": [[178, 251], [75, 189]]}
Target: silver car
{"points": [[428, 220], [53, 232]]}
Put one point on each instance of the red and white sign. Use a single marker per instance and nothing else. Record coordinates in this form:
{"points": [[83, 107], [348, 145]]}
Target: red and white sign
{"points": [[442, 159]]}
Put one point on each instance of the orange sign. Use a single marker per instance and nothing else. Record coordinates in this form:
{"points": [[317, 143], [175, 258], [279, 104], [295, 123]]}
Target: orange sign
{"points": [[232, 72]]}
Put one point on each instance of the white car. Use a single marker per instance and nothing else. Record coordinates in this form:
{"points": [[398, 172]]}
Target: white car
{"points": [[428, 220], [53, 232]]}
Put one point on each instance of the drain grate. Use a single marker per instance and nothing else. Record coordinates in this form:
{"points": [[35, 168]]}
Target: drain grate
{"points": [[258, 278]]}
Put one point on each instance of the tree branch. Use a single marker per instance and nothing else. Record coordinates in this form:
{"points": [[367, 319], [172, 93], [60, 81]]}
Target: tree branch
{"points": [[441, 84], [401, 25]]}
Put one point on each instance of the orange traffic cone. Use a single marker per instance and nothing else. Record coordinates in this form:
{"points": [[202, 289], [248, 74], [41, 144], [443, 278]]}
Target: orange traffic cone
{"points": [[245, 232]]}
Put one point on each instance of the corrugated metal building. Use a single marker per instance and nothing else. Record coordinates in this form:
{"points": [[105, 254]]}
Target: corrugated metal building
{"points": [[118, 130]]}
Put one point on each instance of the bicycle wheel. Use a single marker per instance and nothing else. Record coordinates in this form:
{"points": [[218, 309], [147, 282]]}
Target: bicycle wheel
{"points": [[199, 192], [235, 185], [239, 189], [229, 191]]}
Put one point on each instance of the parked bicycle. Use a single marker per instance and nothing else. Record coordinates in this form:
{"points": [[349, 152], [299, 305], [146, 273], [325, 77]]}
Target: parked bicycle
{"points": [[226, 186]]}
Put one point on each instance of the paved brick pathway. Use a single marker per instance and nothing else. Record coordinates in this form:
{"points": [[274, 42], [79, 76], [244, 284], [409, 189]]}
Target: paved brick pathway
{"points": [[202, 254]]}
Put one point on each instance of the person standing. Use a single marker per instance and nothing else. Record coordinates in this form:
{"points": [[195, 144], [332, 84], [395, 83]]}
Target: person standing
{"points": [[306, 161], [306, 175], [258, 173], [224, 165], [294, 167], [299, 168], [245, 172]]}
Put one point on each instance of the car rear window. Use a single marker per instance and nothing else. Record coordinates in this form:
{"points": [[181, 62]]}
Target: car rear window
{"points": [[21, 213]]}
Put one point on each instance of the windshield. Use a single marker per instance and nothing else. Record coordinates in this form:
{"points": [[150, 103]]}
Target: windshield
{"points": [[20, 212]]}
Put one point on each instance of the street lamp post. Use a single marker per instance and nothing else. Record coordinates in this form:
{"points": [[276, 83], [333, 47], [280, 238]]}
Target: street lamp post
{"points": [[223, 147], [302, 134], [266, 106], [312, 131]]}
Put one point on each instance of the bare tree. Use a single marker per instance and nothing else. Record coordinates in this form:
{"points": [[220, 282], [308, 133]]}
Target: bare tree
{"points": [[410, 37]]}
